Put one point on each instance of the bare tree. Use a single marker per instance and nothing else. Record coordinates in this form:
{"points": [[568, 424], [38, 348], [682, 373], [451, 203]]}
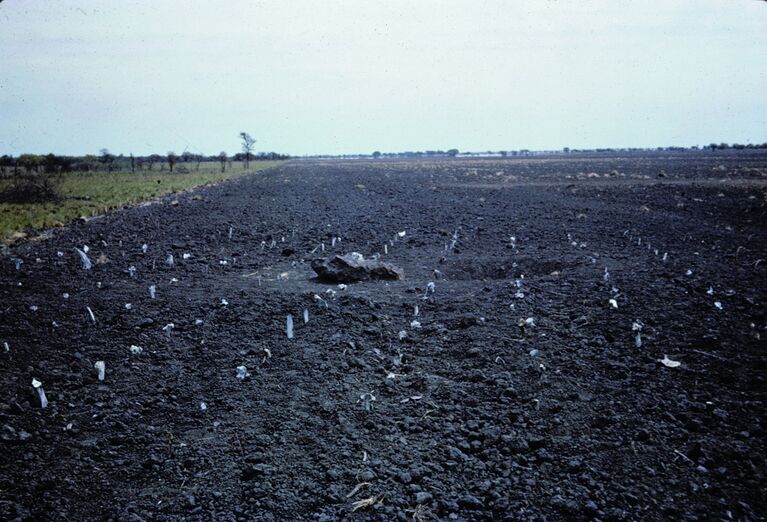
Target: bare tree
{"points": [[107, 159], [172, 158], [222, 159], [247, 146]]}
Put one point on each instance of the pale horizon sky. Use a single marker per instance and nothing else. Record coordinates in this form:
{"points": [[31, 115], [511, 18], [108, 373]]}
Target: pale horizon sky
{"points": [[354, 76]]}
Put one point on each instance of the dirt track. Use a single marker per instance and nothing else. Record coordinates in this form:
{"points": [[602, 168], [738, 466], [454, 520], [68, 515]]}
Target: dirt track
{"points": [[468, 421]]}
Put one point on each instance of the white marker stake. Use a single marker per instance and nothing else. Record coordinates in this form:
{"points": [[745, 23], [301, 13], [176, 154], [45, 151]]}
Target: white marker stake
{"points": [[38, 386], [290, 326], [84, 258], [102, 368]]}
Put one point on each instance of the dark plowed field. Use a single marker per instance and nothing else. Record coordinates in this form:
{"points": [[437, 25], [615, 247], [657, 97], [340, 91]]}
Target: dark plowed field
{"points": [[517, 392]]}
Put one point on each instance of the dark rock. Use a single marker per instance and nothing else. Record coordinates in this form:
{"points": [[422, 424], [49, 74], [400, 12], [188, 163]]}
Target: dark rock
{"points": [[422, 497], [455, 453], [470, 502], [352, 268], [253, 471], [146, 321], [459, 322]]}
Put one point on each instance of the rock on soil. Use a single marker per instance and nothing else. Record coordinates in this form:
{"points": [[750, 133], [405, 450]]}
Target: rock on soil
{"points": [[352, 268]]}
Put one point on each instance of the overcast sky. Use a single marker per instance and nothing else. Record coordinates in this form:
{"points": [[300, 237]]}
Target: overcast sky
{"points": [[331, 76]]}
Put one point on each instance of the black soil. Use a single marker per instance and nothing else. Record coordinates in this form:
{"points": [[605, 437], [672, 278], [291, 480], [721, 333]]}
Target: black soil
{"points": [[469, 416]]}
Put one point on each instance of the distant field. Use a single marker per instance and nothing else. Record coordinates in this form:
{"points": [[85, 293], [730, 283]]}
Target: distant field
{"points": [[92, 193]]}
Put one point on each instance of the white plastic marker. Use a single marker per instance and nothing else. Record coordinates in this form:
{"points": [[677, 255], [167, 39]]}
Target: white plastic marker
{"points": [[152, 291], [144, 248], [168, 328], [101, 367], [84, 258], [668, 362], [242, 373], [93, 317], [290, 326], [38, 386], [636, 326], [306, 315], [170, 260]]}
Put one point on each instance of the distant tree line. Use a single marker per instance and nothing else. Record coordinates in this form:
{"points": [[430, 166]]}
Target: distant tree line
{"points": [[527, 152], [107, 162]]}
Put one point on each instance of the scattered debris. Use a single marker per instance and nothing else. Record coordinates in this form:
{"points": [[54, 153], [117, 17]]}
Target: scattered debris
{"points": [[365, 503], [242, 373], [356, 489], [668, 362]]}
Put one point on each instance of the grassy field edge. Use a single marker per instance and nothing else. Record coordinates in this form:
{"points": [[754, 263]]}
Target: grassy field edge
{"points": [[88, 194]]}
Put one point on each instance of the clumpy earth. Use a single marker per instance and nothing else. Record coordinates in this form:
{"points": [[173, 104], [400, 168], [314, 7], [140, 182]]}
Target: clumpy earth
{"points": [[516, 390]]}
